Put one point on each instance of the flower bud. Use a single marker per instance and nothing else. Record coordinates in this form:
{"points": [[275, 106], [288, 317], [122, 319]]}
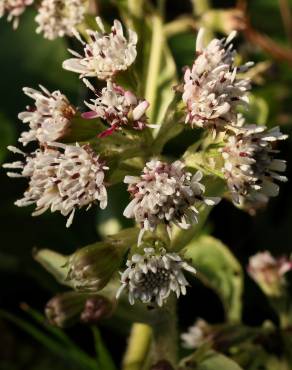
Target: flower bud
{"points": [[268, 272], [64, 309], [96, 308], [90, 268]]}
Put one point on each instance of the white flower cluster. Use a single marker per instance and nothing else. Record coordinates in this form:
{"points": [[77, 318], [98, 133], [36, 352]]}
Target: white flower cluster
{"points": [[61, 178], [13, 9], [57, 18], [249, 164], [152, 276], [49, 118], [196, 335], [120, 108], [165, 193], [212, 88], [105, 54]]}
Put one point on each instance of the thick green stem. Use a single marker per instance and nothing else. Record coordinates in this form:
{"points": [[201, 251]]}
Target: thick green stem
{"points": [[154, 63], [138, 347], [164, 325], [135, 7]]}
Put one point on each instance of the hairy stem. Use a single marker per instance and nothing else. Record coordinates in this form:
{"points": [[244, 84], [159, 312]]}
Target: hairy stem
{"points": [[138, 347]]}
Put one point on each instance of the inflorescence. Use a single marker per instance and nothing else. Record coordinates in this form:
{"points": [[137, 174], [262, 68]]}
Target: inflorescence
{"points": [[65, 177]]}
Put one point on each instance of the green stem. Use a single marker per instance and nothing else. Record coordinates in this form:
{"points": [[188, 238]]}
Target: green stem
{"points": [[138, 347], [135, 7], [154, 64], [200, 6], [180, 25], [164, 325]]}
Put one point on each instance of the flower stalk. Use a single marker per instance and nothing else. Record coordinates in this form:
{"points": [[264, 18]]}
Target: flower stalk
{"points": [[138, 347]]}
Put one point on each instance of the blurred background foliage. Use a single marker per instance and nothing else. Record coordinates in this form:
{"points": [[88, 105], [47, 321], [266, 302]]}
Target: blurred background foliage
{"points": [[27, 60]]}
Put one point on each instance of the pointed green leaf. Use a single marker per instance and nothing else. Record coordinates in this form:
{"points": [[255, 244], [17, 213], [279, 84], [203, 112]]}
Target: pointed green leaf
{"points": [[103, 356], [219, 269]]}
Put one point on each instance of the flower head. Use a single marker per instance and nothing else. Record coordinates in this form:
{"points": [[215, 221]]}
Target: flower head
{"points": [[196, 335], [105, 54], [152, 276], [118, 107], [14, 8], [249, 164], [57, 18], [269, 272], [49, 118], [61, 178], [212, 88], [165, 193]]}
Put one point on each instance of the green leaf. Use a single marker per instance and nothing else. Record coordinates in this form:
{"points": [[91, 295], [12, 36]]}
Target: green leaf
{"points": [[215, 187], [258, 110], [218, 268], [71, 353], [103, 356], [216, 361], [55, 263]]}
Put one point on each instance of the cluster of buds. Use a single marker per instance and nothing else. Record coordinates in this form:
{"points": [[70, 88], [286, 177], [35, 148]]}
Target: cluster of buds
{"points": [[213, 91], [13, 9], [118, 107], [105, 54], [249, 164], [269, 272], [50, 117], [151, 276], [165, 193], [61, 178], [57, 18]]}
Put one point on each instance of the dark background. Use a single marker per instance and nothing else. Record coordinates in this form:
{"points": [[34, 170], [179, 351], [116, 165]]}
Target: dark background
{"points": [[26, 59]]}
